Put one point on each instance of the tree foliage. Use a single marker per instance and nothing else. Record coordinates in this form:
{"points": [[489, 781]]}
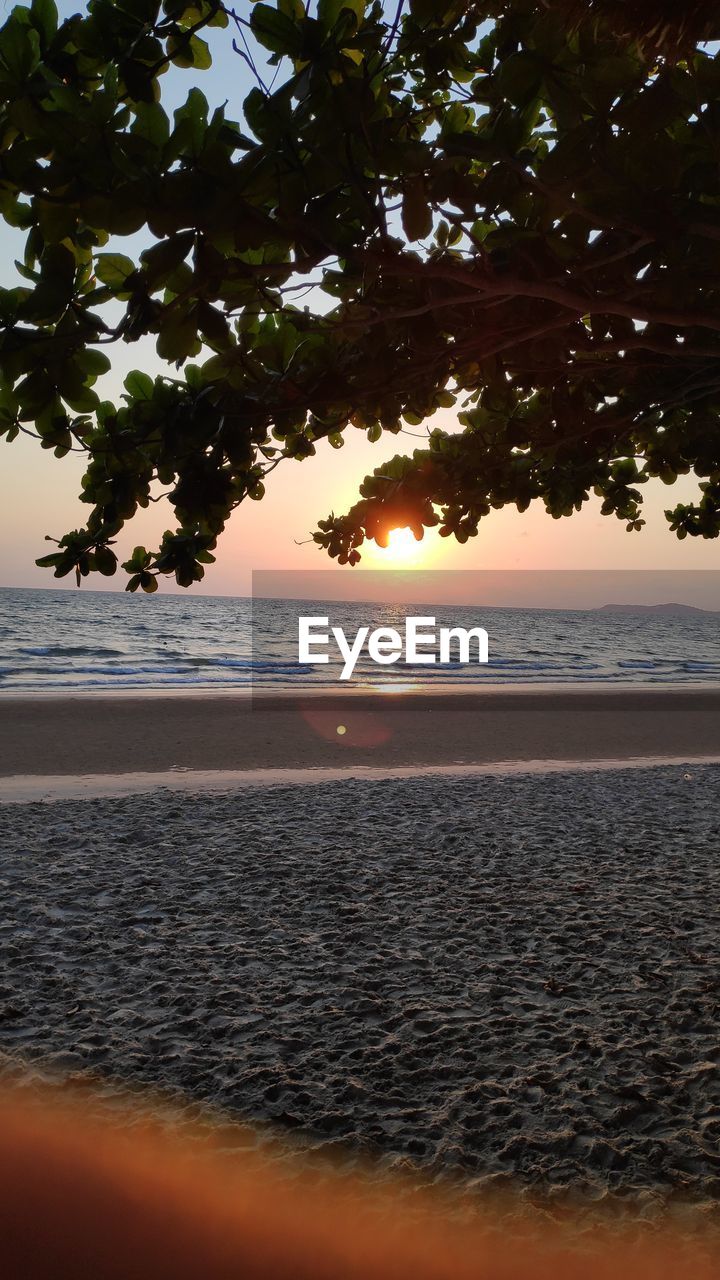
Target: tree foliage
{"points": [[500, 207]]}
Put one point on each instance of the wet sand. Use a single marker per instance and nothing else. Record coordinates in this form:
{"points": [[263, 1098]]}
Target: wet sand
{"points": [[495, 979], [118, 734]]}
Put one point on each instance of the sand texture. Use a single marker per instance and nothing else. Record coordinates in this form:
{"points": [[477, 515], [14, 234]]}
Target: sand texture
{"points": [[497, 978]]}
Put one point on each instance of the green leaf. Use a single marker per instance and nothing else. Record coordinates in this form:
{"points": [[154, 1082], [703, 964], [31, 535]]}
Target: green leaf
{"points": [[19, 47], [113, 269], [330, 10], [201, 57], [84, 400], [178, 339], [214, 326], [151, 123], [519, 77], [105, 561], [162, 259], [180, 51], [417, 219], [275, 31], [92, 362], [44, 16], [138, 560], [139, 385], [56, 221], [191, 122]]}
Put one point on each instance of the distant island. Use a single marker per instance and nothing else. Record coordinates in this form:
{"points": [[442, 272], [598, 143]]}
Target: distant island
{"points": [[652, 608]]}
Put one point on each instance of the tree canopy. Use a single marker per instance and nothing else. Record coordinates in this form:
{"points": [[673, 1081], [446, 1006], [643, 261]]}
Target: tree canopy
{"points": [[510, 208]]}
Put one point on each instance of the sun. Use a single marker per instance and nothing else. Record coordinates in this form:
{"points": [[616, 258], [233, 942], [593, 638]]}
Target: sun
{"points": [[402, 548], [403, 551]]}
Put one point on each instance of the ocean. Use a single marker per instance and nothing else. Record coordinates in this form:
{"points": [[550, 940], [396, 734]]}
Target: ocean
{"points": [[65, 641]]}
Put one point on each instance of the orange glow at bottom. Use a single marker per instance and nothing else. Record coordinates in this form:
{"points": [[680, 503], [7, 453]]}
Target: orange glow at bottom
{"points": [[119, 1198]]}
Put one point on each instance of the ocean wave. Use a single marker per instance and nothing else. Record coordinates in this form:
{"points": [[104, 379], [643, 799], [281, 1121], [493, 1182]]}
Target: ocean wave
{"points": [[200, 670], [70, 651], [46, 642]]}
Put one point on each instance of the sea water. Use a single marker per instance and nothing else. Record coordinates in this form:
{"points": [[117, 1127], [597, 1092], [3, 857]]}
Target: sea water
{"points": [[67, 640]]}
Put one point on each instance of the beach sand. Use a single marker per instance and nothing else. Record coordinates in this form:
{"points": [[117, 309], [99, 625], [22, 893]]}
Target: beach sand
{"points": [[495, 980], [116, 734]]}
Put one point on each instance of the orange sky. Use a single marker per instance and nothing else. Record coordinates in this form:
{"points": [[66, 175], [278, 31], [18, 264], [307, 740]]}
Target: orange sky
{"points": [[38, 495]]}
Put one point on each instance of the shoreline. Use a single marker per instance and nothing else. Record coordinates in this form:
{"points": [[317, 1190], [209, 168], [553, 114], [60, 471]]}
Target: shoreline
{"points": [[49, 788], [71, 736], [291, 693]]}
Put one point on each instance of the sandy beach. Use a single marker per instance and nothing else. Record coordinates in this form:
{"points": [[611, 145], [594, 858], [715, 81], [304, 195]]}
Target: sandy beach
{"points": [[507, 981], [499, 981], [95, 734]]}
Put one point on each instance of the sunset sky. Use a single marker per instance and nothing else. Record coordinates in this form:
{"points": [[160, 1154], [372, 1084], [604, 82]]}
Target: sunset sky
{"points": [[38, 494]]}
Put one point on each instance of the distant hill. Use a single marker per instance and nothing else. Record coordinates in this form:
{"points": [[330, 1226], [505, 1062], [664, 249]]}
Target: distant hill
{"points": [[654, 608]]}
